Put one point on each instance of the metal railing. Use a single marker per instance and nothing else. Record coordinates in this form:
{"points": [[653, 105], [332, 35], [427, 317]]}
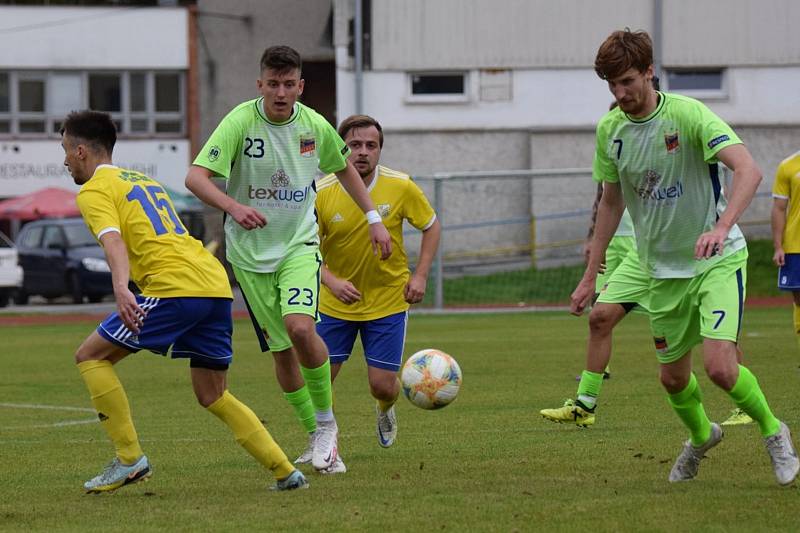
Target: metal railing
{"points": [[543, 218]]}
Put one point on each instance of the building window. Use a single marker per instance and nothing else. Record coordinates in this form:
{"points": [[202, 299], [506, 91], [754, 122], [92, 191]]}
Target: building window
{"points": [[141, 103], [438, 87], [105, 92], [699, 83]]}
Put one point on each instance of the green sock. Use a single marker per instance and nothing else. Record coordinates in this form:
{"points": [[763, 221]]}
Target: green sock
{"points": [[589, 388], [318, 381], [300, 401], [688, 405], [748, 397]]}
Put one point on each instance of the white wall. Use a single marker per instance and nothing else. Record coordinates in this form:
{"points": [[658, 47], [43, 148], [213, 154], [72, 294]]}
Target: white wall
{"points": [[27, 166], [562, 99], [566, 33], [84, 38]]}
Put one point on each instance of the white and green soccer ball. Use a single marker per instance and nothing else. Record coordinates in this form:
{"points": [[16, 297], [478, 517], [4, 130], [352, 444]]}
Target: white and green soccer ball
{"points": [[431, 379]]}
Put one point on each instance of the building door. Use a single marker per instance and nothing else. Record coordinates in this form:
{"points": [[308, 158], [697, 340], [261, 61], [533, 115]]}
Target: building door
{"points": [[320, 89]]}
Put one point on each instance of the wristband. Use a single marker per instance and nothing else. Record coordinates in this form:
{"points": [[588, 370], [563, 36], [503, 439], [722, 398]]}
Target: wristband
{"points": [[373, 217]]}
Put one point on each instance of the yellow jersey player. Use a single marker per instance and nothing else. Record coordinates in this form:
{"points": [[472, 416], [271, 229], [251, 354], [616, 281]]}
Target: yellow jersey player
{"points": [[184, 308], [362, 295], [786, 229]]}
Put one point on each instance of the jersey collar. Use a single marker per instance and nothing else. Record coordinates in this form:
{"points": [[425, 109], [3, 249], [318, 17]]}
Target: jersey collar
{"points": [[375, 173], [104, 165], [661, 99], [260, 111]]}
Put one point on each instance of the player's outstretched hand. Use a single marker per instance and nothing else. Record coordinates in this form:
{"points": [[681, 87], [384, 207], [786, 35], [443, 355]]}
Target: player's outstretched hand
{"points": [[581, 296], [344, 291], [129, 311], [710, 243], [414, 291], [247, 217], [381, 241]]}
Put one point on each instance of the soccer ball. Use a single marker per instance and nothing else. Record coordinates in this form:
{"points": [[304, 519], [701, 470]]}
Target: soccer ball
{"points": [[430, 379]]}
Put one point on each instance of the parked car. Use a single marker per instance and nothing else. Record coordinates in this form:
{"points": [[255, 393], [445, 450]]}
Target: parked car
{"points": [[10, 271], [61, 257]]}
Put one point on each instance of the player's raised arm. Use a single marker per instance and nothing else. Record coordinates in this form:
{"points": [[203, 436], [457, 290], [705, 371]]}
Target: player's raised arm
{"points": [[198, 180], [354, 186]]}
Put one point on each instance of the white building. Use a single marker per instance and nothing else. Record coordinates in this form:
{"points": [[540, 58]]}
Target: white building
{"points": [[480, 84], [130, 62], [471, 85]]}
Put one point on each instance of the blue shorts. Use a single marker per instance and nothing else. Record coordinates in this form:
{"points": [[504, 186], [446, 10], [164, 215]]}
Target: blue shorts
{"points": [[196, 328], [383, 339], [789, 273]]}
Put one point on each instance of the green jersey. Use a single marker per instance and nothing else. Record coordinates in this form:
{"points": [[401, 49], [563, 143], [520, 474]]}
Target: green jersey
{"points": [[625, 228], [667, 168], [271, 167]]}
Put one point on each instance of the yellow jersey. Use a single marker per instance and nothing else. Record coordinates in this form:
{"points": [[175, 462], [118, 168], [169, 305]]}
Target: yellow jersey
{"points": [[345, 245], [165, 261], [787, 187]]}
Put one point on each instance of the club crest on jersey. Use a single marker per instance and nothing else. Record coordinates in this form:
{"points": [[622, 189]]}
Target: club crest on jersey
{"points": [[383, 210], [214, 153], [307, 145], [672, 142]]}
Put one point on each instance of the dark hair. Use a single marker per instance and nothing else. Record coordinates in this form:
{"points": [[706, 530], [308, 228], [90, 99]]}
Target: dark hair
{"points": [[623, 50], [359, 121], [94, 128], [281, 59]]}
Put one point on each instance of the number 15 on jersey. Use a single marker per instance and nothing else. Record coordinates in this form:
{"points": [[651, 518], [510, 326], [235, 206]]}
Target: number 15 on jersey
{"points": [[154, 201]]}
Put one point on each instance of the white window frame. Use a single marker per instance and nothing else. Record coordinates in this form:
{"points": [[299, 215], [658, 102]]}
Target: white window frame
{"points": [[124, 116], [701, 94], [18, 116], [446, 98]]}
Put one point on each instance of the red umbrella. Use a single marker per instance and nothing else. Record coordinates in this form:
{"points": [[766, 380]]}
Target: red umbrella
{"points": [[51, 202]]}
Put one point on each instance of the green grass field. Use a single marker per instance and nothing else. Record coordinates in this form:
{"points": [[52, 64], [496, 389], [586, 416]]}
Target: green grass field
{"points": [[488, 462]]}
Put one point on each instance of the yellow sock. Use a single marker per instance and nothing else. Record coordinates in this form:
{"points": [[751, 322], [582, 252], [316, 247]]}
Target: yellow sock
{"points": [[251, 434], [384, 406], [111, 403], [796, 315]]}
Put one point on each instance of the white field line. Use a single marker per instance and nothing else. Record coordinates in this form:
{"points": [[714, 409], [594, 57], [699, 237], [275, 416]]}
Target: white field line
{"points": [[56, 424], [51, 408]]}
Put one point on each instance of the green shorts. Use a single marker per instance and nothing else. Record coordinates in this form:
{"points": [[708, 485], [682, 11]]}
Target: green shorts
{"points": [[292, 289], [627, 284], [618, 249], [683, 312]]}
